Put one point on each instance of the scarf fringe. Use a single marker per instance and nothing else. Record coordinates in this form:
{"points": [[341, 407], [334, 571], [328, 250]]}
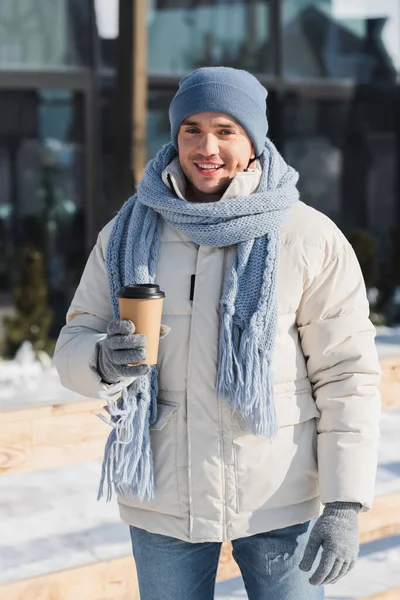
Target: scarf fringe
{"points": [[246, 379], [229, 369], [128, 459]]}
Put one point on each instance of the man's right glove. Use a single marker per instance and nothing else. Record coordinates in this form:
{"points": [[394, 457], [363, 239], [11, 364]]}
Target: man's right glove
{"points": [[121, 347]]}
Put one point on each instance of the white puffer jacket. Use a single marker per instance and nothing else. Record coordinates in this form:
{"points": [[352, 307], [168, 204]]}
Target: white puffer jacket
{"points": [[214, 480]]}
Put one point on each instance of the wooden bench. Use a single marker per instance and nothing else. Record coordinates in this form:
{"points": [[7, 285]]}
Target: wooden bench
{"points": [[54, 436]]}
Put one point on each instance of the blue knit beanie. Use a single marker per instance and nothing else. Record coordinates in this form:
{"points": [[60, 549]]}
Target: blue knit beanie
{"points": [[222, 89]]}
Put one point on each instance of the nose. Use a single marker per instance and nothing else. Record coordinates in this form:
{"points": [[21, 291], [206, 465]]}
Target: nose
{"points": [[208, 145]]}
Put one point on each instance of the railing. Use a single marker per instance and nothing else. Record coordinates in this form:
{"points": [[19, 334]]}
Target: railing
{"points": [[53, 436]]}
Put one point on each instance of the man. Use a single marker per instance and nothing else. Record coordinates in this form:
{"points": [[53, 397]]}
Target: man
{"points": [[267, 404]]}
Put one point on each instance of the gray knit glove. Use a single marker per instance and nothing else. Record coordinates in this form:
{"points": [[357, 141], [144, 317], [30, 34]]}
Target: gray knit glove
{"points": [[336, 530], [121, 347]]}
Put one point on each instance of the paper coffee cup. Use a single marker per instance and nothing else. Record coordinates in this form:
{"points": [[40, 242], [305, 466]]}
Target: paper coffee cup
{"points": [[142, 304]]}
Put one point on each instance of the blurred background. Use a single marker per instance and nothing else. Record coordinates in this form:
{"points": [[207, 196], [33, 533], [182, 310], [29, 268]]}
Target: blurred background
{"points": [[84, 92], [85, 87]]}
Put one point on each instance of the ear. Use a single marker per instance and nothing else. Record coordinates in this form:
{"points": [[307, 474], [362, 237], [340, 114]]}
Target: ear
{"points": [[253, 153]]}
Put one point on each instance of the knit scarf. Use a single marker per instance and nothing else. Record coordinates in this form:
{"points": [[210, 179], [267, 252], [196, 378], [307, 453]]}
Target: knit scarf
{"points": [[248, 307]]}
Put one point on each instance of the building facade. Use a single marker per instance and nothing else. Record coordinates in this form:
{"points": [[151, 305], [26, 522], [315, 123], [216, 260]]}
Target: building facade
{"points": [[332, 69]]}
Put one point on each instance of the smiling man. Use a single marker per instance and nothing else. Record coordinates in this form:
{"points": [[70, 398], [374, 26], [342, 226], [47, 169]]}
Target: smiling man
{"points": [[264, 406], [213, 148]]}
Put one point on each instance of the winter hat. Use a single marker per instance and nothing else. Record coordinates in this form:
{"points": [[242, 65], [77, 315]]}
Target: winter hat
{"points": [[222, 89]]}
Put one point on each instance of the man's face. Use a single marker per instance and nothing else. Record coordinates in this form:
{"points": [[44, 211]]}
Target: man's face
{"points": [[213, 147]]}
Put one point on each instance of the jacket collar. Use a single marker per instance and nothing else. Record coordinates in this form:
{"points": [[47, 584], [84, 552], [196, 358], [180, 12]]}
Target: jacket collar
{"points": [[243, 184]]}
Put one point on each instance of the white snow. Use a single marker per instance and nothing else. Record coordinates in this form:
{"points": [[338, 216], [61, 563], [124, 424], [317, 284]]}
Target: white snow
{"points": [[50, 520], [30, 381], [388, 341]]}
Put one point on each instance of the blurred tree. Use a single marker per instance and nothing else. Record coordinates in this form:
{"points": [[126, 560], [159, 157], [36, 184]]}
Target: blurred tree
{"points": [[390, 280], [32, 318], [366, 249]]}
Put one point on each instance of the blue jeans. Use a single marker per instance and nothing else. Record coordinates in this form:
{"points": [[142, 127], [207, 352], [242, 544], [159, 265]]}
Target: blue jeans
{"points": [[170, 569]]}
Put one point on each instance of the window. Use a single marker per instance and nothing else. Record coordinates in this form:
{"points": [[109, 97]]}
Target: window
{"points": [[342, 39], [346, 152], [186, 34], [42, 182], [44, 33], [158, 126]]}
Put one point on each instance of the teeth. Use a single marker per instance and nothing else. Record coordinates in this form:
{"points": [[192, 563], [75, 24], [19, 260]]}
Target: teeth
{"points": [[208, 166]]}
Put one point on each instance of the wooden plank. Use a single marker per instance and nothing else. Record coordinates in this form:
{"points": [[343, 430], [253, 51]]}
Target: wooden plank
{"points": [[388, 595], [16, 445], [390, 382], [108, 580], [50, 410], [383, 520], [51, 437]]}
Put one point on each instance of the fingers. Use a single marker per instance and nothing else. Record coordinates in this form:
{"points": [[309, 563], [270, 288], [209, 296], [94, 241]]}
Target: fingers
{"points": [[324, 568], [120, 327], [126, 342], [346, 567], [133, 370], [310, 552], [124, 357], [333, 573]]}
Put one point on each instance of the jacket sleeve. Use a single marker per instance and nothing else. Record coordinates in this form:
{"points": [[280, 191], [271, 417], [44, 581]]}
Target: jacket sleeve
{"points": [[338, 341], [75, 355]]}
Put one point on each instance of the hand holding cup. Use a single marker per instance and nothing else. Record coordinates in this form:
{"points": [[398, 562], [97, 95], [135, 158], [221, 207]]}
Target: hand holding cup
{"points": [[119, 350]]}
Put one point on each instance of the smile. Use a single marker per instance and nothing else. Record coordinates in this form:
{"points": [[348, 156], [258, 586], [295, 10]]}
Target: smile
{"points": [[207, 169]]}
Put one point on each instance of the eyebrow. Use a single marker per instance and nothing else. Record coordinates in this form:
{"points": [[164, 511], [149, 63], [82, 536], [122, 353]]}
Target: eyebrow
{"points": [[217, 126]]}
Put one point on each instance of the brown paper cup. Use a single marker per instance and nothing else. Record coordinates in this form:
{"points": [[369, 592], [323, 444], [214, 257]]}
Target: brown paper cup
{"points": [[143, 304]]}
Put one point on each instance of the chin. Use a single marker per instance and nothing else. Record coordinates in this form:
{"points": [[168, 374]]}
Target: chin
{"points": [[211, 190]]}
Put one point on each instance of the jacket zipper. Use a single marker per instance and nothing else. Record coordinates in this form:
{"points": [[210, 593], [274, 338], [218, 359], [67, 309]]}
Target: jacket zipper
{"points": [[221, 433]]}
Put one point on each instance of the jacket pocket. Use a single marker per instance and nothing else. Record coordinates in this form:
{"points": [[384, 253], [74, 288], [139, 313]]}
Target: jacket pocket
{"points": [[279, 473], [163, 439], [164, 413]]}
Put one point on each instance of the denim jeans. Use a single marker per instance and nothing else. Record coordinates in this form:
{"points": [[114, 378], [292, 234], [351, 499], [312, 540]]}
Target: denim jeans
{"points": [[171, 569]]}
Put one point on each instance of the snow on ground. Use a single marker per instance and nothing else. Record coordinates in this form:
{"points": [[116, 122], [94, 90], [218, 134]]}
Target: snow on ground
{"points": [[50, 520], [388, 341], [27, 381]]}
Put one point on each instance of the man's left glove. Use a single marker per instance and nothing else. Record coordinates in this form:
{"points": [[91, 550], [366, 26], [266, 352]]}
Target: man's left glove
{"points": [[336, 530]]}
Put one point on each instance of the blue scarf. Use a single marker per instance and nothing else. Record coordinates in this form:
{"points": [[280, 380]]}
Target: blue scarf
{"points": [[248, 311]]}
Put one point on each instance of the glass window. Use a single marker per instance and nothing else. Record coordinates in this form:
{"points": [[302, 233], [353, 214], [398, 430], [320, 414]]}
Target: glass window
{"points": [[342, 39], [158, 127], [44, 33], [42, 184], [346, 153], [186, 34]]}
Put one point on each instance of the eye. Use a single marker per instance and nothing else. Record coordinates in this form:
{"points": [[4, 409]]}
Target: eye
{"points": [[192, 130], [226, 132]]}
